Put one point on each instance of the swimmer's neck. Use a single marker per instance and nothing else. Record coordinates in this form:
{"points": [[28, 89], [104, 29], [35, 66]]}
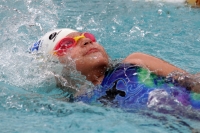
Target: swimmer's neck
{"points": [[96, 75]]}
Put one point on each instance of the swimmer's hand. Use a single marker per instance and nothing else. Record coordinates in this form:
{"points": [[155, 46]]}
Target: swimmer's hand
{"points": [[189, 81], [196, 83]]}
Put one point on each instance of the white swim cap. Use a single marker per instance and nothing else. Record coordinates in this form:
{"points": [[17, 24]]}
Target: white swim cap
{"points": [[47, 43]]}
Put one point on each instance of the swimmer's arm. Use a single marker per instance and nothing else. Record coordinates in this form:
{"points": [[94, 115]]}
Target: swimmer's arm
{"points": [[163, 68], [189, 81], [156, 65]]}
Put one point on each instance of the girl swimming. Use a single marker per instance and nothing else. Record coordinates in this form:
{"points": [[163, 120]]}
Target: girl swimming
{"points": [[127, 84]]}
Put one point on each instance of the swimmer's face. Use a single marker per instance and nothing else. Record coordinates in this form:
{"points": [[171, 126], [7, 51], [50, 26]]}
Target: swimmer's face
{"points": [[86, 54]]}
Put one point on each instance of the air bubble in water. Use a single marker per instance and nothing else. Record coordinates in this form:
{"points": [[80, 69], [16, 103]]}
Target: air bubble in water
{"points": [[160, 11]]}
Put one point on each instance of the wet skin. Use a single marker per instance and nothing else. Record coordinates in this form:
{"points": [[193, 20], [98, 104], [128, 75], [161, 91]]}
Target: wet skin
{"points": [[90, 58], [92, 61]]}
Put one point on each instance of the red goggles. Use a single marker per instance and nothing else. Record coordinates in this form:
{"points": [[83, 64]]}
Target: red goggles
{"points": [[68, 42]]}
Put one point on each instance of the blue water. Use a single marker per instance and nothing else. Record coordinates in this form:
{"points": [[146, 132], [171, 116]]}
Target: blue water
{"points": [[29, 99]]}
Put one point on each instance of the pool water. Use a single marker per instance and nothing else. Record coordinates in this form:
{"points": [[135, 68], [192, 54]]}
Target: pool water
{"points": [[29, 98]]}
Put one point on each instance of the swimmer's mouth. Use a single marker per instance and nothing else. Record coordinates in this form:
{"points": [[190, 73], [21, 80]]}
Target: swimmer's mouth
{"points": [[92, 50]]}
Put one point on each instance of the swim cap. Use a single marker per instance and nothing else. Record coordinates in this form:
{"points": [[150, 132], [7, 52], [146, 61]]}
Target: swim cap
{"points": [[47, 43]]}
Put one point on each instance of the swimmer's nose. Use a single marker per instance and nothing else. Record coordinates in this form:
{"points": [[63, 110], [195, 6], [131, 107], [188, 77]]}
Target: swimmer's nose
{"points": [[86, 41]]}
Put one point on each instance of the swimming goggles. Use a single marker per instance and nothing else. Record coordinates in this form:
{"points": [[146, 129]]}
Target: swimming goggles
{"points": [[69, 42]]}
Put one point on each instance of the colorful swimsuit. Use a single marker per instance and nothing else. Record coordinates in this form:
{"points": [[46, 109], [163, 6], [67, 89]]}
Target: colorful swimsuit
{"points": [[129, 86]]}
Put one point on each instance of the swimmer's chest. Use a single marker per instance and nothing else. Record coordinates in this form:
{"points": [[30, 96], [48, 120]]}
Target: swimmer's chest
{"points": [[126, 84]]}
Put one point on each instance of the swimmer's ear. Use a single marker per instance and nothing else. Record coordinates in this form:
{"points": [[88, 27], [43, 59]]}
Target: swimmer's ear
{"points": [[64, 60]]}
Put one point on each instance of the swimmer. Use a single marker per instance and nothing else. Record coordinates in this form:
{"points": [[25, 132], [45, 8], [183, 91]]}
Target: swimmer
{"points": [[194, 3], [125, 84]]}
